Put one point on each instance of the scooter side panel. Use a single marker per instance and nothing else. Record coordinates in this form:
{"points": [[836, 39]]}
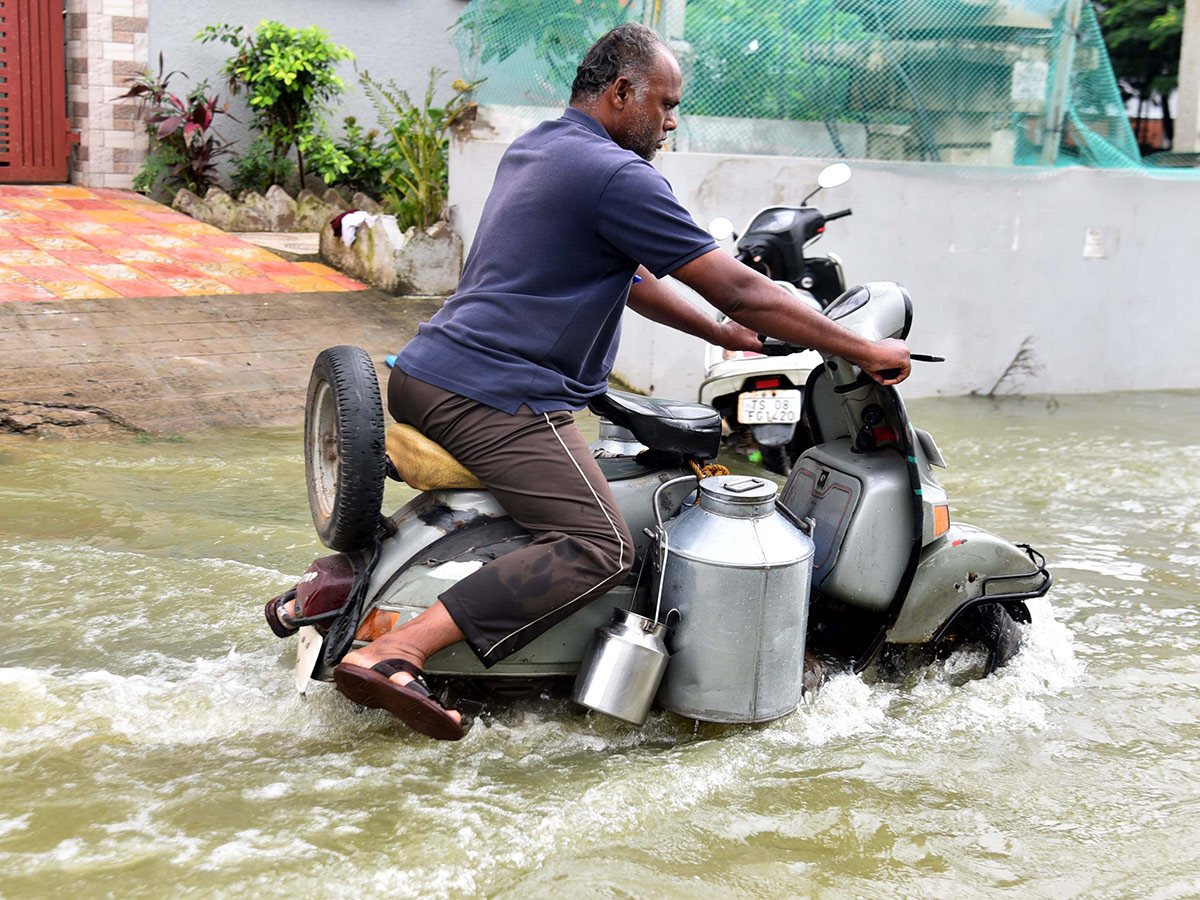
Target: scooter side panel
{"points": [[951, 573], [862, 503]]}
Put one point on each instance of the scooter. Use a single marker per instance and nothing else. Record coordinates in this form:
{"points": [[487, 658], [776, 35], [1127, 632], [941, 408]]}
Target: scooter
{"points": [[759, 396], [888, 566]]}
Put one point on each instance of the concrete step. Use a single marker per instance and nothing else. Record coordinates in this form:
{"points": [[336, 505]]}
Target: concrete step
{"points": [[295, 246]]}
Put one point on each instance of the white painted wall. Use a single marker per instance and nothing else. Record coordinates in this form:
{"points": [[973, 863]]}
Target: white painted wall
{"points": [[391, 39], [1100, 267]]}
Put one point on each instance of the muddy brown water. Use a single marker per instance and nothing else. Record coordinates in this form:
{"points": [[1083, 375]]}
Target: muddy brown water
{"points": [[151, 743]]}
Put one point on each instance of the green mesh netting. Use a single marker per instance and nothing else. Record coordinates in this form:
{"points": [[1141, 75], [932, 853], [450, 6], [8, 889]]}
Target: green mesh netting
{"points": [[956, 81]]}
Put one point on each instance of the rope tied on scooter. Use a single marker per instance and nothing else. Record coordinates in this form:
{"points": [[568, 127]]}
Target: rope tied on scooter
{"points": [[712, 469]]}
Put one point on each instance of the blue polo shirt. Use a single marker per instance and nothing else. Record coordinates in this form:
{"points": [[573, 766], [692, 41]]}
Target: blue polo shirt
{"points": [[537, 315]]}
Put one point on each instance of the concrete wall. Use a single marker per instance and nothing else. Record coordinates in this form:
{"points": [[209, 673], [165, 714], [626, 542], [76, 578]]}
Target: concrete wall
{"points": [[1099, 267], [391, 39]]}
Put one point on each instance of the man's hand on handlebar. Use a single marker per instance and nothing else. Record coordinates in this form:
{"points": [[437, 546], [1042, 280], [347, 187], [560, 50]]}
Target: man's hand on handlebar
{"points": [[739, 337], [889, 362]]}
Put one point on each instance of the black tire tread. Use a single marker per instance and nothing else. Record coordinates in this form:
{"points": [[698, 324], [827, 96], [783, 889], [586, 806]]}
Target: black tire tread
{"points": [[991, 625], [361, 438]]}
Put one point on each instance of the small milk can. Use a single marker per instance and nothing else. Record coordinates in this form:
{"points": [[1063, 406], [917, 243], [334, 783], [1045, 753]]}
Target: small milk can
{"points": [[622, 667], [739, 574]]}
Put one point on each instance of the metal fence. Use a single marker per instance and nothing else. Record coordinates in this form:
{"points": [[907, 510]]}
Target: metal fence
{"points": [[973, 82]]}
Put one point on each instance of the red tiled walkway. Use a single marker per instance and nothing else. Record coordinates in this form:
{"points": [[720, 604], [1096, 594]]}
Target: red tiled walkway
{"points": [[63, 241]]}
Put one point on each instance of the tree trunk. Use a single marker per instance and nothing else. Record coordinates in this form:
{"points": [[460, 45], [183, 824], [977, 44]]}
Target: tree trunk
{"points": [[1168, 124]]}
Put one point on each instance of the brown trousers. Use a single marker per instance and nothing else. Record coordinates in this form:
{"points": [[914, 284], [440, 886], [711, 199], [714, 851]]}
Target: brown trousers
{"points": [[540, 469]]}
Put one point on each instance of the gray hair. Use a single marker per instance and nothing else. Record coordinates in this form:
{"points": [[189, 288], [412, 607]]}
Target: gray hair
{"points": [[630, 50]]}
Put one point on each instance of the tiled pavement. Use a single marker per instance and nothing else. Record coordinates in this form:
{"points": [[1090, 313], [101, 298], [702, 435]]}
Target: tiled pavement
{"points": [[68, 242]]}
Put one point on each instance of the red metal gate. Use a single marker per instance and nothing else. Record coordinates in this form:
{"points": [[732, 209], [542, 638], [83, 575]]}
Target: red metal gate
{"points": [[33, 92]]}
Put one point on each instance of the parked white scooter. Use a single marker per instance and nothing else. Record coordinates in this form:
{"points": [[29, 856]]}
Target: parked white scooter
{"points": [[759, 396]]}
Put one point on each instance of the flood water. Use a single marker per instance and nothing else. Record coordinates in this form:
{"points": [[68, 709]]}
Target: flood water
{"points": [[152, 744]]}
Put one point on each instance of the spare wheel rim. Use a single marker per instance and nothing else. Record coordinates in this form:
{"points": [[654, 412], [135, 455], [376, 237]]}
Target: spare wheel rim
{"points": [[323, 450]]}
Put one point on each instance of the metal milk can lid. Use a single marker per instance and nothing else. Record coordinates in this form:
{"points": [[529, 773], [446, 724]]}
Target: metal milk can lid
{"points": [[738, 496]]}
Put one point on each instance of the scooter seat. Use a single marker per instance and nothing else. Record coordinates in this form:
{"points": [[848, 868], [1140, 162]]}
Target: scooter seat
{"points": [[424, 464], [672, 426]]}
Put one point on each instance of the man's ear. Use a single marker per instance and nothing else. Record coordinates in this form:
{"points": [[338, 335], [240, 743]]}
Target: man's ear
{"points": [[621, 92]]}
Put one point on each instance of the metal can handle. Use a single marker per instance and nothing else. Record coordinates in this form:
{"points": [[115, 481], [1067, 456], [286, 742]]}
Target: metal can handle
{"points": [[662, 487], [661, 536]]}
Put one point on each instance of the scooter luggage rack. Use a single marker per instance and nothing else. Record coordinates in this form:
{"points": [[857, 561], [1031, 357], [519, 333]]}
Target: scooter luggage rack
{"points": [[984, 598]]}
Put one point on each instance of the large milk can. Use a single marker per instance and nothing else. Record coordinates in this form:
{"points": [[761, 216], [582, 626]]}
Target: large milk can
{"points": [[739, 573]]}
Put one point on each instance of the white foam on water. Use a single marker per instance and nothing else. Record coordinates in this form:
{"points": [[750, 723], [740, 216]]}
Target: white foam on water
{"points": [[844, 706], [249, 845], [22, 562], [1013, 699], [67, 851], [433, 882], [235, 696], [941, 700], [11, 824], [29, 712], [273, 791], [136, 568]]}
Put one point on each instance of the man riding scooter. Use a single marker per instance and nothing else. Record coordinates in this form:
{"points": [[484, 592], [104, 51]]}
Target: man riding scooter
{"points": [[578, 225]]}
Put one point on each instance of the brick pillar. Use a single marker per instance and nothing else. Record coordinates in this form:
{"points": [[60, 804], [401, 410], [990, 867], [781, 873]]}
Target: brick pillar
{"points": [[106, 44]]}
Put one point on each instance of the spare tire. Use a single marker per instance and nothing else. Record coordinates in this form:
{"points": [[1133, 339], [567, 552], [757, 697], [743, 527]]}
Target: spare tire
{"points": [[344, 448]]}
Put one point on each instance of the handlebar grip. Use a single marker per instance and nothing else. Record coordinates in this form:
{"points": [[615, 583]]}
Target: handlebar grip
{"points": [[840, 214], [774, 347]]}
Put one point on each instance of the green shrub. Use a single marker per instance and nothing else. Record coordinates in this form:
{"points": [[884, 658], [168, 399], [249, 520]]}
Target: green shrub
{"points": [[257, 168], [288, 76], [417, 178], [357, 161], [184, 146]]}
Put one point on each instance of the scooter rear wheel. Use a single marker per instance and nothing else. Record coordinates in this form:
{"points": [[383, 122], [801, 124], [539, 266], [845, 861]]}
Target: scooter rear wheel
{"points": [[344, 448], [777, 460]]}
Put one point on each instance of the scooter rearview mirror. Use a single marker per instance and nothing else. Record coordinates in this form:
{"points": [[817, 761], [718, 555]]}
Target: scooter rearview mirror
{"points": [[831, 176], [721, 229], [834, 176]]}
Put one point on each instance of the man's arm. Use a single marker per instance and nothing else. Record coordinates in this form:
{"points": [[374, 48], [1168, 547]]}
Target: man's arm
{"points": [[659, 303], [763, 306]]}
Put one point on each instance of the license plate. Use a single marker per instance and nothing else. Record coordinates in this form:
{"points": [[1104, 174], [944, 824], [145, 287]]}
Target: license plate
{"points": [[308, 651], [768, 407]]}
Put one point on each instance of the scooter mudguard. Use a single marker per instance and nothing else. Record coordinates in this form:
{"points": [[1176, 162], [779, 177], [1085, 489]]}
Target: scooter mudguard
{"points": [[774, 435], [956, 569]]}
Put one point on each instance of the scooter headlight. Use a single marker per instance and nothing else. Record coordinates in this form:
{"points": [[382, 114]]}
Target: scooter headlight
{"points": [[876, 310]]}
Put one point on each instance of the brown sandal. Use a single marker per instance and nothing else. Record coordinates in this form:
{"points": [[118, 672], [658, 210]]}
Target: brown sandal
{"points": [[412, 703]]}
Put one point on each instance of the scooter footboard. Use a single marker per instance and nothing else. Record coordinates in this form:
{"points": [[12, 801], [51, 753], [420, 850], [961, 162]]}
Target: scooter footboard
{"points": [[965, 566]]}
